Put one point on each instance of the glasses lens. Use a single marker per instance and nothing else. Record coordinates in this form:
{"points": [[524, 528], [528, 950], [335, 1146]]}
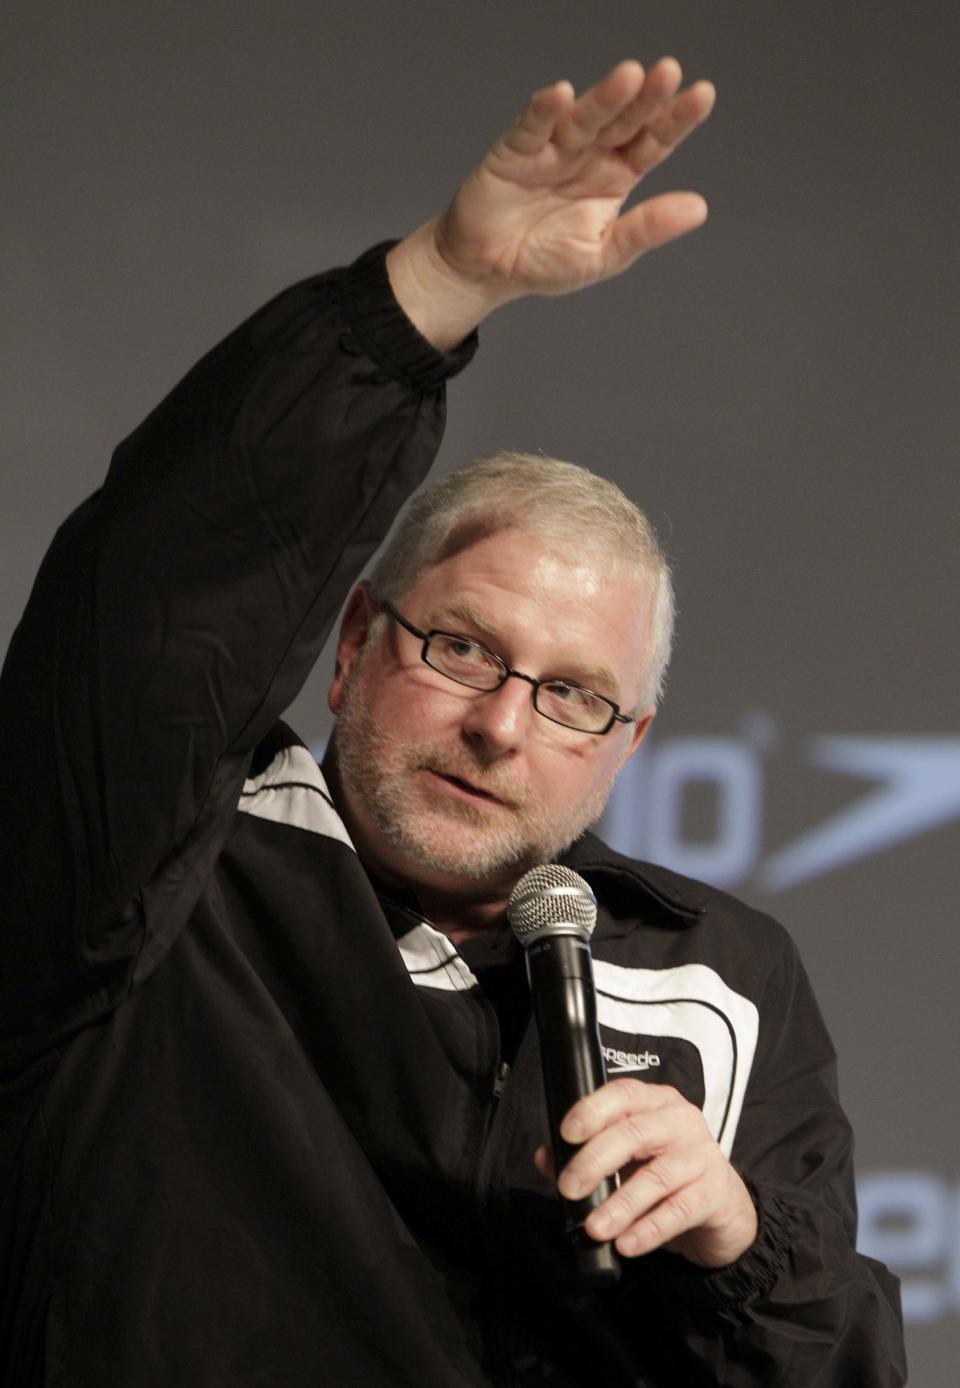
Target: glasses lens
{"points": [[572, 706], [464, 661]]}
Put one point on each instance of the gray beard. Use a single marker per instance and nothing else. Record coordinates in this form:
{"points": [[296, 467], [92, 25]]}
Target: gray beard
{"points": [[439, 832]]}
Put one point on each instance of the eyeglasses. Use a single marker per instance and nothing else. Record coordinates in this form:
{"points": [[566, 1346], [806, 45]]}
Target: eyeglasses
{"points": [[469, 663]]}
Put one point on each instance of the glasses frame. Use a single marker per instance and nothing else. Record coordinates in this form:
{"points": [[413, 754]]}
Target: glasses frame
{"points": [[425, 637]]}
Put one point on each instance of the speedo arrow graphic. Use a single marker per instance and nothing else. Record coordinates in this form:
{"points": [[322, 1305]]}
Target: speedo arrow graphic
{"points": [[920, 789]]}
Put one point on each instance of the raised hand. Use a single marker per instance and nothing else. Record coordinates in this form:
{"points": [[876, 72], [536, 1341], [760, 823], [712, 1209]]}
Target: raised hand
{"points": [[677, 1191], [541, 212]]}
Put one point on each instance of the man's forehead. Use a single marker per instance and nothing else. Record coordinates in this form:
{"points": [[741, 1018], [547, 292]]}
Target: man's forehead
{"points": [[537, 565], [517, 578]]}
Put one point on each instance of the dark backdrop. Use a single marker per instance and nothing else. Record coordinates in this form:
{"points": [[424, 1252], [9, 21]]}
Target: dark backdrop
{"points": [[779, 392]]}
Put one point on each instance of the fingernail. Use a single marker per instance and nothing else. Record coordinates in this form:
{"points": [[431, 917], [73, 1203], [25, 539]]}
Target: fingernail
{"points": [[628, 1245], [600, 1222], [573, 1129], [571, 1185]]}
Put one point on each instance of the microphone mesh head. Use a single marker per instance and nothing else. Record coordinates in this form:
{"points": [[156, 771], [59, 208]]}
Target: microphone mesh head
{"points": [[554, 899]]}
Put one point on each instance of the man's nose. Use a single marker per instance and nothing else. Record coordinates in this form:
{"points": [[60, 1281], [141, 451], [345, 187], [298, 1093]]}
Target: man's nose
{"points": [[500, 718]]}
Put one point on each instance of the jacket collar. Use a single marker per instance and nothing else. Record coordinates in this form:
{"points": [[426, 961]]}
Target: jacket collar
{"points": [[684, 900]]}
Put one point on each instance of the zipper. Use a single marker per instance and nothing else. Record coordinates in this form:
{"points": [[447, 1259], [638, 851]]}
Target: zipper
{"points": [[500, 1079]]}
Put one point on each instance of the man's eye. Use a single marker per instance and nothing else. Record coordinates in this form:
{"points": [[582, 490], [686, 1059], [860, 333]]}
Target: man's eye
{"points": [[569, 693], [464, 650]]}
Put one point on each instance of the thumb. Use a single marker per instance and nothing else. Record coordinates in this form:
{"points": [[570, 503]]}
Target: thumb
{"points": [[650, 224], [543, 1160]]}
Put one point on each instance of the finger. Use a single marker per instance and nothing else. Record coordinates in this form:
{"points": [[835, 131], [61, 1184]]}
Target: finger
{"points": [[660, 136], [661, 1199], [636, 1138], [535, 124], [661, 86], [683, 1211], [599, 106], [612, 1101], [648, 225]]}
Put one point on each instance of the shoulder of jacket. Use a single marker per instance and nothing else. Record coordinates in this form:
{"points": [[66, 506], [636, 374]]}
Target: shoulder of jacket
{"points": [[278, 740], [685, 901]]}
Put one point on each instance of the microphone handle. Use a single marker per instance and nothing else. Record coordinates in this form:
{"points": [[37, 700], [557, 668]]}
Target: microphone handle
{"points": [[560, 972]]}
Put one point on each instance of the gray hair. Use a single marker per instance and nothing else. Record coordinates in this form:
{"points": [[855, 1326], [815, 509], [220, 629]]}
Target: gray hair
{"points": [[564, 504]]}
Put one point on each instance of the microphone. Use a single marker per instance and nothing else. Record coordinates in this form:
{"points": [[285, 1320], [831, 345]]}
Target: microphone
{"points": [[552, 912]]}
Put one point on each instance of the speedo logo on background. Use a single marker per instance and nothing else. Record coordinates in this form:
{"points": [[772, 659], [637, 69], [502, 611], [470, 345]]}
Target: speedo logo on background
{"points": [[629, 1060], [912, 785]]}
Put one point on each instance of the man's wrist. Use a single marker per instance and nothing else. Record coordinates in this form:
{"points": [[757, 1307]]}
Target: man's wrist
{"points": [[443, 305], [379, 327]]}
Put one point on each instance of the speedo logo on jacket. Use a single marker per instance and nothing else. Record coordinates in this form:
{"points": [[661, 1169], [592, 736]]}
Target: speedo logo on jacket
{"points": [[629, 1060]]}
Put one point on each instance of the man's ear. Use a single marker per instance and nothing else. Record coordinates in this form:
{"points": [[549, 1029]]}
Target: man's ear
{"points": [[640, 729], [358, 617]]}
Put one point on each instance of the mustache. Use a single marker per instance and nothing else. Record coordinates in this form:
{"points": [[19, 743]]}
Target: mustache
{"points": [[502, 787]]}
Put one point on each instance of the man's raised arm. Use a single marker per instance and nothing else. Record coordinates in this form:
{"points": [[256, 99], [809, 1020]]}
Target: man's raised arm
{"points": [[180, 609]]}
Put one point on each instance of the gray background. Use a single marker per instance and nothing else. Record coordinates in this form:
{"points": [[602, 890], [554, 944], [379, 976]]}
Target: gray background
{"points": [[778, 391]]}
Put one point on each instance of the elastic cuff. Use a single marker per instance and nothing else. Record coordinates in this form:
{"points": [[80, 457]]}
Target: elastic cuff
{"points": [[753, 1274], [384, 331], [728, 1290], [755, 1271]]}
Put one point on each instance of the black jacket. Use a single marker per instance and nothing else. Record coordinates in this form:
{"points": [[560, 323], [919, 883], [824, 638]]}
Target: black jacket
{"points": [[250, 1130]]}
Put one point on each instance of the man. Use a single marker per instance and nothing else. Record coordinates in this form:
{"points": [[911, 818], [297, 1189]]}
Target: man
{"points": [[262, 1123]]}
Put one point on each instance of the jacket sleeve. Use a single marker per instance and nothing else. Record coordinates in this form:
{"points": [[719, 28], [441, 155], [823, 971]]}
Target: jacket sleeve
{"points": [[177, 614], [801, 1306]]}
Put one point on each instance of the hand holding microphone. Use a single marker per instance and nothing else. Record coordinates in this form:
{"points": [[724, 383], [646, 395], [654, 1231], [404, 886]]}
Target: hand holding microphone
{"points": [[681, 1192]]}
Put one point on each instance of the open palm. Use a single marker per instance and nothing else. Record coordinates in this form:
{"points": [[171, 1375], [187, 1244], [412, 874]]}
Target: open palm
{"points": [[541, 213]]}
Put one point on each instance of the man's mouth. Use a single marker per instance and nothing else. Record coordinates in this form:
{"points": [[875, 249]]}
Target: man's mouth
{"points": [[461, 788]]}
